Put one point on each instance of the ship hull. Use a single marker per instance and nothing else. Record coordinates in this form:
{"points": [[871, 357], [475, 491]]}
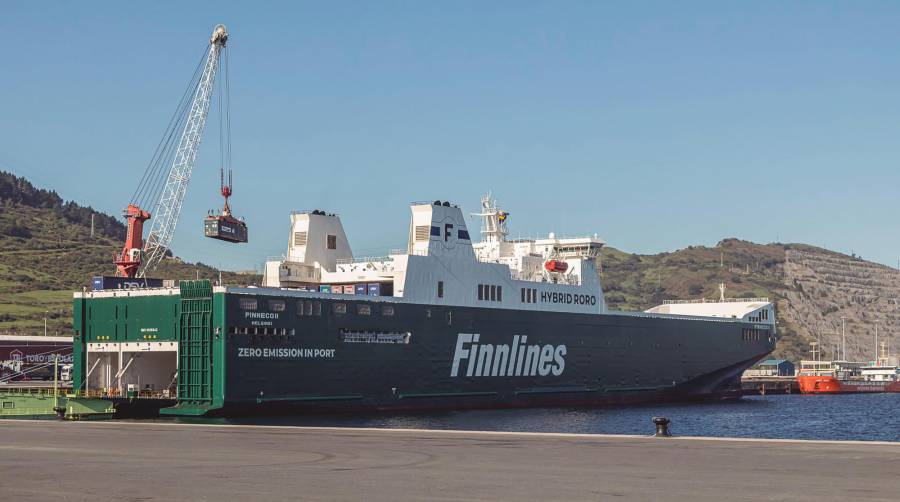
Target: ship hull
{"points": [[605, 359], [831, 385], [251, 351]]}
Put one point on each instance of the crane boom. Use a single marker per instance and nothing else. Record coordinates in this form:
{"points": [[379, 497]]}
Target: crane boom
{"points": [[168, 207]]}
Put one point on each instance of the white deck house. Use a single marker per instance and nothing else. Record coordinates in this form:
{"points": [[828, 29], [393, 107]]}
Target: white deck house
{"points": [[442, 266]]}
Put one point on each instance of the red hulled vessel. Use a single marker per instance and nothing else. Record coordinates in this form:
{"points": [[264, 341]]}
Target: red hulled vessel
{"points": [[845, 377]]}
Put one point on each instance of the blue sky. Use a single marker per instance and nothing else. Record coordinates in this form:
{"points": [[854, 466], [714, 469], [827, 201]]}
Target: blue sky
{"points": [[657, 125]]}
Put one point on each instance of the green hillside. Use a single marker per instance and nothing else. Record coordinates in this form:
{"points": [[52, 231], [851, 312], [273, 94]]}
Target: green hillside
{"points": [[748, 270], [46, 252]]}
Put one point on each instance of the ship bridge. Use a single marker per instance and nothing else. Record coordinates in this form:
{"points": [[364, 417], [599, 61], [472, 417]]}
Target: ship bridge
{"points": [[441, 264], [554, 259]]}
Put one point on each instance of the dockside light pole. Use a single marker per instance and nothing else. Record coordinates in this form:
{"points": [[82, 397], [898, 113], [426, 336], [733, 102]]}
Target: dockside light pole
{"points": [[876, 343], [843, 340]]}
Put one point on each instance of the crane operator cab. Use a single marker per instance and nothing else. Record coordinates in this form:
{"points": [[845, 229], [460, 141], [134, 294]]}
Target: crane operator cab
{"points": [[223, 226]]}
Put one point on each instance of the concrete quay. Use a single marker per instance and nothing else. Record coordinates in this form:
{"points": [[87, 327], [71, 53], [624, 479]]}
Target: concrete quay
{"points": [[49, 460]]}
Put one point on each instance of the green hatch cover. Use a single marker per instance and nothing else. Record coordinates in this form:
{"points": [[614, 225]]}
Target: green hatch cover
{"points": [[195, 376]]}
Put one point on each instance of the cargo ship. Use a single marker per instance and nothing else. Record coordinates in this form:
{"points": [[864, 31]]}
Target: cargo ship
{"points": [[445, 323], [845, 377]]}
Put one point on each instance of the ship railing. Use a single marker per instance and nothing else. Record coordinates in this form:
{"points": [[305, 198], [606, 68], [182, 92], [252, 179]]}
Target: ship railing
{"points": [[404, 251], [366, 259], [94, 393], [309, 211], [538, 278], [29, 392], [105, 393], [726, 300]]}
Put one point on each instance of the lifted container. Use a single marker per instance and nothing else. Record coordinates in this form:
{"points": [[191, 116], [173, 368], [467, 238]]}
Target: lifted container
{"points": [[225, 228]]}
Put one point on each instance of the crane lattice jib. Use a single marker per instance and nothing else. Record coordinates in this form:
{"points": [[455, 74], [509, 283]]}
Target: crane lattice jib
{"points": [[168, 208]]}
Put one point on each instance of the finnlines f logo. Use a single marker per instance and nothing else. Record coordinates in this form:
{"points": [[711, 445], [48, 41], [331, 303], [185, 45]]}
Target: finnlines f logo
{"points": [[517, 359]]}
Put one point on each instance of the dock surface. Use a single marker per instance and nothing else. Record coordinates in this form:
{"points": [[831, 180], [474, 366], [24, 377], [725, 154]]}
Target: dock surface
{"points": [[50, 460]]}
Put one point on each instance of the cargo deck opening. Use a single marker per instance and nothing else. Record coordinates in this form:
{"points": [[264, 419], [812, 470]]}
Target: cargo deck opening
{"points": [[135, 369]]}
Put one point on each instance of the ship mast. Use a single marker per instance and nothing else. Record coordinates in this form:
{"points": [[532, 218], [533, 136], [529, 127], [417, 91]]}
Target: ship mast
{"points": [[493, 220]]}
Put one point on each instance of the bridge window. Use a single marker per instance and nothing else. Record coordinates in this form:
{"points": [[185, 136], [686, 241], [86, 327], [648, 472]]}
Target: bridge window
{"points": [[247, 303], [339, 308], [490, 292], [276, 305], [440, 289], [331, 241], [464, 234], [364, 309], [387, 310], [753, 335], [529, 295]]}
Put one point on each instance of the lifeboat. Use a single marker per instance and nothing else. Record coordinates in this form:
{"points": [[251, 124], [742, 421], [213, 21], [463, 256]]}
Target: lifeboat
{"points": [[556, 266]]}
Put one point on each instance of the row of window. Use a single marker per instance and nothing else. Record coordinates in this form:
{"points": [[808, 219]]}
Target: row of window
{"points": [[763, 316], [490, 292], [260, 330], [306, 308], [346, 335], [362, 309], [529, 295], [300, 239], [753, 335], [422, 232]]}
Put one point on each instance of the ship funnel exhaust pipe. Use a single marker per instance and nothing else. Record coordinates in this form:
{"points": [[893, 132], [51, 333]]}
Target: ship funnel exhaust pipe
{"points": [[662, 427]]}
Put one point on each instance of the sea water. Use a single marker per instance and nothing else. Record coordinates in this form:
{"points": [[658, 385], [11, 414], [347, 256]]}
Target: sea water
{"points": [[837, 417]]}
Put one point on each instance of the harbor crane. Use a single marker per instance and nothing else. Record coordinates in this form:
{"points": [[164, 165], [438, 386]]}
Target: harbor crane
{"points": [[166, 178]]}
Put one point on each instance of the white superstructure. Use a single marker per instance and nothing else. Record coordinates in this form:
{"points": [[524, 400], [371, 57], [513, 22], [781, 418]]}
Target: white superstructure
{"points": [[442, 266], [759, 310]]}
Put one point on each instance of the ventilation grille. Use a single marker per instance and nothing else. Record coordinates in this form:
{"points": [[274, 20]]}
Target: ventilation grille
{"points": [[300, 238], [422, 232]]}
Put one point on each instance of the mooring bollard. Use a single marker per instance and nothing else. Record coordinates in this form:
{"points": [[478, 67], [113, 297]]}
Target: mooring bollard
{"points": [[662, 427]]}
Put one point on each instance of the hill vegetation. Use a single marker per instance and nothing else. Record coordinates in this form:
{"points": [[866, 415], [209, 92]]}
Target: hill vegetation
{"points": [[813, 289], [46, 252], [748, 270]]}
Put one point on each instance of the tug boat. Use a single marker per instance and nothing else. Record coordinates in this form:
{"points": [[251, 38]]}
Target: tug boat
{"points": [[844, 377]]}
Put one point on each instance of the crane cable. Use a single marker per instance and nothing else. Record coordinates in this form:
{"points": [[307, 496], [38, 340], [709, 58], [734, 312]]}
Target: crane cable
{"points": [[154, 177], [224, 103], [157, 178]]}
